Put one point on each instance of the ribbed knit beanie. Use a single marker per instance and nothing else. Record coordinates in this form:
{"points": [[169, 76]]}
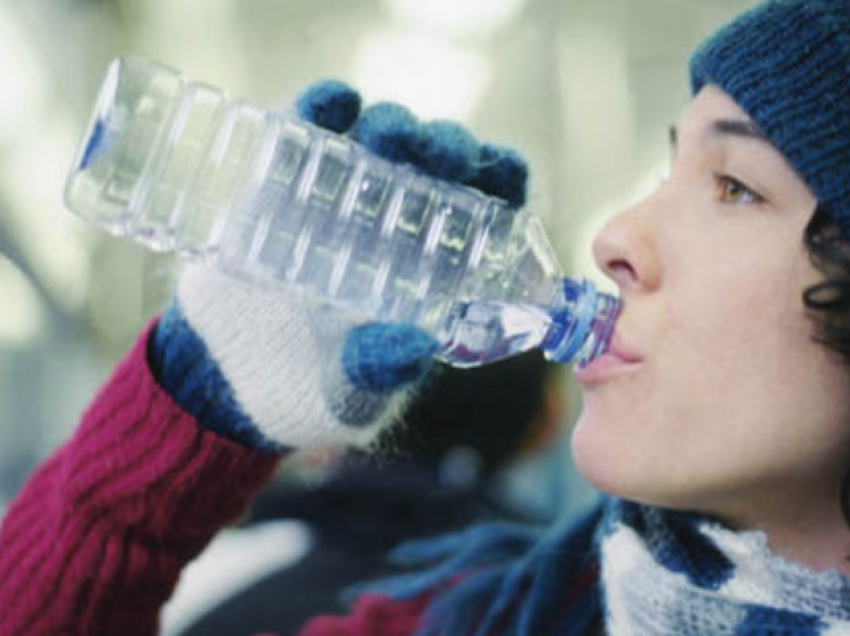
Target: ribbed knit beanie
{"points": [[787, 64]]}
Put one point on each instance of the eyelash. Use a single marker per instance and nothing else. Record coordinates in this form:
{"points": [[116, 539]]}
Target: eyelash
{"points": [[724, 181]]}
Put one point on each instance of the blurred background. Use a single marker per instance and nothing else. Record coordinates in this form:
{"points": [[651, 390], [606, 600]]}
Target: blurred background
{"points": [[585, 89]]}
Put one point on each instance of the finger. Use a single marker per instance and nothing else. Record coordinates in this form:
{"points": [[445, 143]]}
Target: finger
{"points": [[384, 357], [389, 130], [502, 173], [447, 150], [330, 104]]}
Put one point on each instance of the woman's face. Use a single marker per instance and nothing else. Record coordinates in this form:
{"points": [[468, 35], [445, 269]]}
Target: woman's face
{"points": [[716, 398]]}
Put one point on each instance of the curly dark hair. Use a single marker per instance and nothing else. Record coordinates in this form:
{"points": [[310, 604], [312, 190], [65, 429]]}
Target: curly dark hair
{"points": [[829, 300]]}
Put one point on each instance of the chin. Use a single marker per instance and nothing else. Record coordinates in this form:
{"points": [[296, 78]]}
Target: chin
{"points": [[612, 463], [616, 470], [599, 460]]}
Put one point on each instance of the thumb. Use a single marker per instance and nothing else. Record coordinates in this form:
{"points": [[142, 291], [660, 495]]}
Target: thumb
{"points": [[385, 357]]}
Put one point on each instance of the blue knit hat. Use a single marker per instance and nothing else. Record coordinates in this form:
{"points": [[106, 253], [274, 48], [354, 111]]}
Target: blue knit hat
{"points": [[787, 64]]}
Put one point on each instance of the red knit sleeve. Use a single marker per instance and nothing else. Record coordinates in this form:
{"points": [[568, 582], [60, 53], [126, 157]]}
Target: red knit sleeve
{"points": [[372, 615], [95, 541]]}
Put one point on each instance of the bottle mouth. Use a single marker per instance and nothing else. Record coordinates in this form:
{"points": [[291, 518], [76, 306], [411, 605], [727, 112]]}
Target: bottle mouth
{"points": [[582, 323], [601, 329]]}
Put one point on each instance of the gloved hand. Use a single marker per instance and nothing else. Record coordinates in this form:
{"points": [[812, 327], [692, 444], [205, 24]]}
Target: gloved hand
{"points": [[273, 372]]}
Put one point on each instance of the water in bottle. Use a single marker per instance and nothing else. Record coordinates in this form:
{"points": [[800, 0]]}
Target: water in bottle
{"points": [[178, 165]]}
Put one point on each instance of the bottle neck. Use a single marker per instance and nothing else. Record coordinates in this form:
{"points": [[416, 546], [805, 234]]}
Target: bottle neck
{"points": [[582, 323]]}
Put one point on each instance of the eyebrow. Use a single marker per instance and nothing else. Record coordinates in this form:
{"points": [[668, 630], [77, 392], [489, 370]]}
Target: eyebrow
{"points": [[728, 128], [737, 128]]}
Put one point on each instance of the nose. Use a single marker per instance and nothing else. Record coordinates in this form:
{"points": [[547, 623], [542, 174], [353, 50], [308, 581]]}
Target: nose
{"points": [[626, 250]]}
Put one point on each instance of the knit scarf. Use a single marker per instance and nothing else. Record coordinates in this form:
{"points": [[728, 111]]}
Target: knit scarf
{"points": [[622, 570], [674, 573]]}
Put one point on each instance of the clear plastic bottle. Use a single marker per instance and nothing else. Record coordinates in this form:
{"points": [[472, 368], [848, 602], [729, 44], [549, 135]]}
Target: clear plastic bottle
{"points": [[178, 165]]}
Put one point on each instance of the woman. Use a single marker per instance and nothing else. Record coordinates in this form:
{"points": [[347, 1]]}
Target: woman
{"points": [[720, 421]]}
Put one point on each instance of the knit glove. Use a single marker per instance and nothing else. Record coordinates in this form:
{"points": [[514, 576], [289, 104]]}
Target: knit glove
{"points": [[266, 368]]}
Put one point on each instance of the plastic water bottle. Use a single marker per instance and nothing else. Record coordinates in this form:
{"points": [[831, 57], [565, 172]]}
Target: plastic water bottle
{"points": [[178, 165]]}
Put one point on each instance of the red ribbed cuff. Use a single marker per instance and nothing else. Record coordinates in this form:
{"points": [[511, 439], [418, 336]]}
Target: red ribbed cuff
{"points": [[96, 540], [148, 464]]}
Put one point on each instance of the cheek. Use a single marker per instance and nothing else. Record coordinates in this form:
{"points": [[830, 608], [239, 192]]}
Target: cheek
{"points": [[733, 304], [731, 394]]}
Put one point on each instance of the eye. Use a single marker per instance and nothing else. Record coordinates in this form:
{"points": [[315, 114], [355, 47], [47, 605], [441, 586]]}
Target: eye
{"points": [[730, 190]]}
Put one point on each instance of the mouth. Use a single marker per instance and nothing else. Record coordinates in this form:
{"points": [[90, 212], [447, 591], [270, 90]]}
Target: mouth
{"points": [[618, 360]]}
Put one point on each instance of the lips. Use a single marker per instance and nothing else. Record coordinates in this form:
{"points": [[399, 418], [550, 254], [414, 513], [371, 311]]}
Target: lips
{"points": [[618, 360]]}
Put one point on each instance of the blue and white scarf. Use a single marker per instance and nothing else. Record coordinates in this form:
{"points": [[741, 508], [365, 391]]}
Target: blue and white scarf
{"points": [[621, 570]]}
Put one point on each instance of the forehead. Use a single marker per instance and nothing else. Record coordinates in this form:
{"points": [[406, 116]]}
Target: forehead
{"points": [[714, 117], [713, 120], [711, 103]]}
